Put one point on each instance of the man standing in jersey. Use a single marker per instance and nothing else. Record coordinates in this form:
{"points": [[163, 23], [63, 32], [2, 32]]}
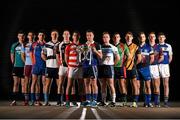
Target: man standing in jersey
{"points": [[38, 69], [164, 65], [131, 68], [63, 68], [110, 57], [52, 68], [158, 57], [91, 53], [18, 66], [73, 59], [25, 54], [146, 56], [119, 68]]}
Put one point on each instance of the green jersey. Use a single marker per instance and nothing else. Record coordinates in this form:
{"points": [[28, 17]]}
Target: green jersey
{"points": [[16, 50], [123, 53]]}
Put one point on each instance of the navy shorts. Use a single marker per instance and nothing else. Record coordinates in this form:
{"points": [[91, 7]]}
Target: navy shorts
{"points": [[120, 72], [90, 72], [106, 71], [144, 73], [52, 73], [131, 74], [36, 70], [18, 71]]}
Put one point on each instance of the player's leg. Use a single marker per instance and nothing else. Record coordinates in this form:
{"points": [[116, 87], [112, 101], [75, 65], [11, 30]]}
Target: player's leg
{"points": [[112, 89]]}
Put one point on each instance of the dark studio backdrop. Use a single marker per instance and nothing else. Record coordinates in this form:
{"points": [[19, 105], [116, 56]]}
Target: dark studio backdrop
{"points": [[113, 16]]}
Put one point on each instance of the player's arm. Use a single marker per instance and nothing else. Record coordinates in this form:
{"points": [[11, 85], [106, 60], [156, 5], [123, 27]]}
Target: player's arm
{"points": [[151, 55], [139, 56], [44, 54], [58, 56], [67, 55], [116, 54], [12, 53], [170, 54], [97, 51], [23, 56], [31, 54], [161, 56], [127, 53]]}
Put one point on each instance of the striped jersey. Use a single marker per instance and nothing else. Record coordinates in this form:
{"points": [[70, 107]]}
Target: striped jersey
{"points": [[130, 62], [50, 52], [26, 50], [73, 54]]}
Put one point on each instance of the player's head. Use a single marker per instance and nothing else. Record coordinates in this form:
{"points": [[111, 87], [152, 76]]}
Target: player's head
{"points": [[31, 36], [152, 37], [41, 35], [116, 38], [90, 35], [54, 34], [76, 36], [161, 37], [142, 37], [66, 35], [106, 37], [129, 37], [21, 36]]}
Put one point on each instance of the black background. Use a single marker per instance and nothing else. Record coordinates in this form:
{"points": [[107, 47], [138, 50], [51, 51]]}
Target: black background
{"points": [[113, 16]]}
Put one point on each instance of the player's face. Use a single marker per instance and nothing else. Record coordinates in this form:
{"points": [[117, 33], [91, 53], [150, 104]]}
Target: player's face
{"points": [[75, 37], [54, 35], [106, 38], [41, 36], [30, 36], [90, 36], [142, 38], [152, 38], [162, 38], [116, 38], [66, 35], [129, 38], [21, 37]]}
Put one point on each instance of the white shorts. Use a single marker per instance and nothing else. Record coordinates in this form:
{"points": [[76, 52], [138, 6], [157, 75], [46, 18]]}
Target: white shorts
{"points": [[63, 71], [75, 72], [164, 70], [154, 70]]}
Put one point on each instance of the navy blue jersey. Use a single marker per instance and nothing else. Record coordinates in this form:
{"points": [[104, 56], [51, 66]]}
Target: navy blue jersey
{"points": [[145, 51]]}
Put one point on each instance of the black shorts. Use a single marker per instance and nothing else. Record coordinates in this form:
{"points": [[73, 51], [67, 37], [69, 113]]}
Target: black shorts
{"points": [[120, 72], [18, 71], [106, 71], [131, 74], [52, 73], [90, 72]]}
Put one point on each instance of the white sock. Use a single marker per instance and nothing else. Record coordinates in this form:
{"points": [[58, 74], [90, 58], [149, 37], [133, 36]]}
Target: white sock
{"points": [[114, 98]]}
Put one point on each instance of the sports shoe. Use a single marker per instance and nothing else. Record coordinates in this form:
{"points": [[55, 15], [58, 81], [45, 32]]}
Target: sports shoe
{"points": [[134, 104], [74, 103], [67, 104], [94, 103], [58, 103], [13, 103], [87, 103], [157, 105], [112, 104], [25, 103], [166, 104], [46, 104], [148, 105], [102, 104], [38, 103]]}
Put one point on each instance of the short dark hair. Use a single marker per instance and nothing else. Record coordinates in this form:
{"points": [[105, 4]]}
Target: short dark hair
{"points": [[161, 33], [21, 32], [89, 30], [130, 33]]}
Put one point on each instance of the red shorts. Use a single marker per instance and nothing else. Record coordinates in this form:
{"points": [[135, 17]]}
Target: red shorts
{"points": [[28, 70]]}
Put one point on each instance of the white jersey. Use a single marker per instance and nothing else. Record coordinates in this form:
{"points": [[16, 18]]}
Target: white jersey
{"points": [[109, 52], [50, 51]]}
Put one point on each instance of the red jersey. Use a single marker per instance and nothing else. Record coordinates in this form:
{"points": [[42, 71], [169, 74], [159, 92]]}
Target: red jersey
{"points": [[73, 55]]}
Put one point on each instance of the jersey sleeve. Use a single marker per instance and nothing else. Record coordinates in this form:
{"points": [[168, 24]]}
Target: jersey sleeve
{"points": [[98, 47], [22, 49], [115, 50], [126, 50], [44, 50], [170, 50], [13, 48], [67, 50], [151, 51]]}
